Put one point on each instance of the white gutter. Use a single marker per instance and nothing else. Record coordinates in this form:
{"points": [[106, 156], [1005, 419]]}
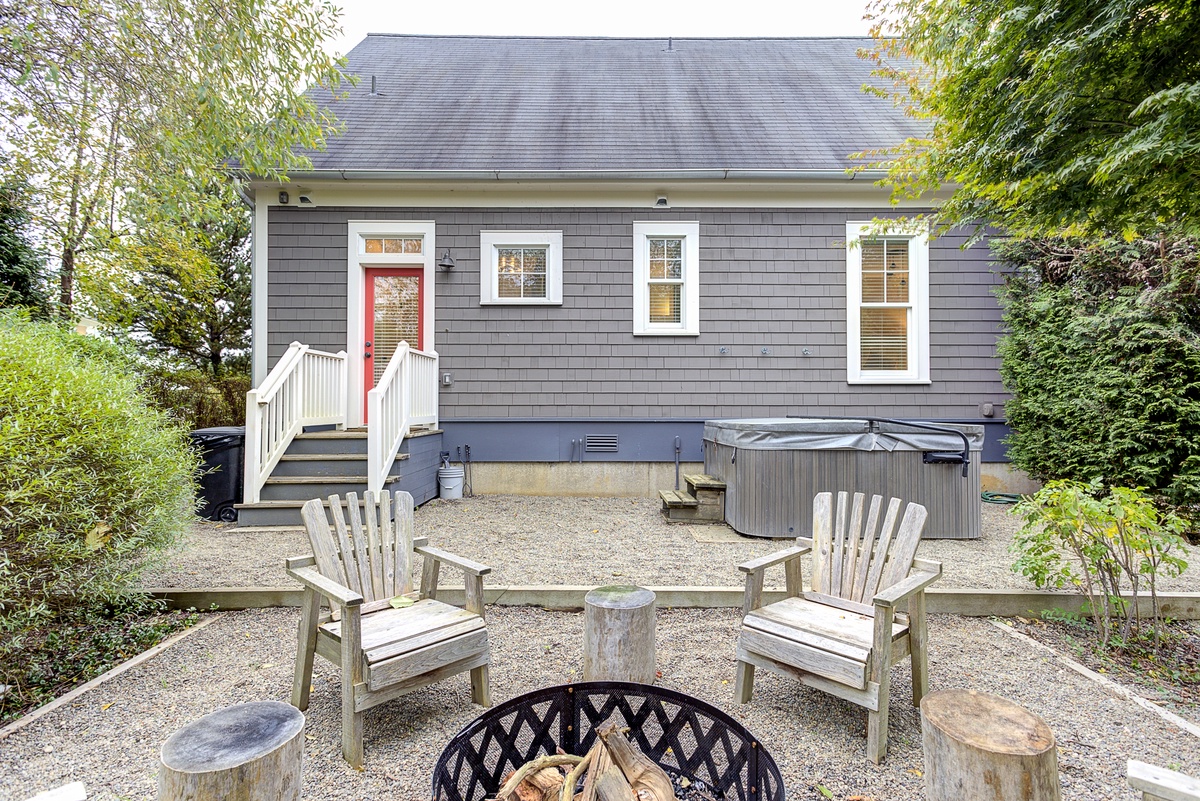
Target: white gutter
{"points": [[723, 174]]}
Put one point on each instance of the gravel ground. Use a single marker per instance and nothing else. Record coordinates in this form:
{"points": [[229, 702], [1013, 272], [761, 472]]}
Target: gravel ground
{"points": [[537, 540], [109, 738]]}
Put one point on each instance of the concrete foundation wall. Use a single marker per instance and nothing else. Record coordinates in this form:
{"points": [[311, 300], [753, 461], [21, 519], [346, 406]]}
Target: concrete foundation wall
{"points": [[590, 479], [644, 479], [1003, 477]]}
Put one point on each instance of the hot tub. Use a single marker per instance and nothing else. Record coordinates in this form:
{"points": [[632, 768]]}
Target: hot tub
{"points": [[772, 468]]}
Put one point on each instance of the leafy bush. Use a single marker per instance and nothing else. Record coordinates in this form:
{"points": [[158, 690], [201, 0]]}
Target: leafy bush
{"points": [[1101, 546], [1102, 356], [93, 480], [198, 399]]}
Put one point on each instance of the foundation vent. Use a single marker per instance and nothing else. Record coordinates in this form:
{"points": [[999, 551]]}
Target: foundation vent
{"points": [[600, 443]]}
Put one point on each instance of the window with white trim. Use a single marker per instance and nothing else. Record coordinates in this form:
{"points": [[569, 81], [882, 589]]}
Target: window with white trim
{"points": [[520, 267], [666, 278], [887, 292]]}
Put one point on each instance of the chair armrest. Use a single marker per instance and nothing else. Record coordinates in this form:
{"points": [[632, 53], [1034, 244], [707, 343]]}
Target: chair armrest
{"points": [[1156, 782], [466, 565], [763, 562], [420, 541], [756, 570], [312, 578], [295, 562], [903, 589]]}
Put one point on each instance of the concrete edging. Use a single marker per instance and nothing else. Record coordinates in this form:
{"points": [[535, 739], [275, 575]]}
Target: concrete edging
{"points": [[965, 602]]}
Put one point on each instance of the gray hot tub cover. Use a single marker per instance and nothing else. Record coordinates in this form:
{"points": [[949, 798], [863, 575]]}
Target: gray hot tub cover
{"points": [[803, 433]]}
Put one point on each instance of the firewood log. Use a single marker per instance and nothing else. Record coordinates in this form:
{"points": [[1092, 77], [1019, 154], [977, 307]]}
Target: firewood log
{"points": [[600, 763], [640, 771], [518, 777], [613, 786], [568, 787]]}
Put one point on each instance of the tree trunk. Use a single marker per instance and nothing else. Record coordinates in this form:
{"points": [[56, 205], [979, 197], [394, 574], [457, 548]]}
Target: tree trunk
{"points": [[66, 283]]}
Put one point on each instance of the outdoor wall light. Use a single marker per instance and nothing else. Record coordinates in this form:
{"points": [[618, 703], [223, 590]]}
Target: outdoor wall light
{"points": [[283, 198], [446, 262], [661, 202]]}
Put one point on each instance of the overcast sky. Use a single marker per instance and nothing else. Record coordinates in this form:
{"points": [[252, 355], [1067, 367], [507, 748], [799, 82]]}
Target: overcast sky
{"points": [[606, 18]]}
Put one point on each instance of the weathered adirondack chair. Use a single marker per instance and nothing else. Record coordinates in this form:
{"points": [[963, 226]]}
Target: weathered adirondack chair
{"points": [[384, 652], [843, 635]]}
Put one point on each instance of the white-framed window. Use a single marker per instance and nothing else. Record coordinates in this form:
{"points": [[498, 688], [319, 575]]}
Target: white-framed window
{"points": [[520, 267], [666, 278], [887, 314]]}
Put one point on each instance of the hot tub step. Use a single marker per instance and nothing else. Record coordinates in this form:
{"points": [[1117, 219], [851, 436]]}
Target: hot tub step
{"points": [[704, 481], [707, 491], [680, 507], [673, 498]]}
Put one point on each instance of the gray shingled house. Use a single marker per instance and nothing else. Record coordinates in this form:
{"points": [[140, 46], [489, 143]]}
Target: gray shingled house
{"points": [[589, 247]]}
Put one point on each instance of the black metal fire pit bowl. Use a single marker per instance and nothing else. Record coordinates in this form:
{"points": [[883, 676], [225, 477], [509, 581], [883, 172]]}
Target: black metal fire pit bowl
{"points": [[684, 735]]}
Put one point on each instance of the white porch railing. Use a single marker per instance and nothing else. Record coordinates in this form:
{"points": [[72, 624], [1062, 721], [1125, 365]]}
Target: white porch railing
{"points": [[406, 396], [306, 388]]}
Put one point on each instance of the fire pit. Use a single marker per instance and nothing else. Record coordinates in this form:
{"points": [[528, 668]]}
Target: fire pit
{"points": [[683, 735]]}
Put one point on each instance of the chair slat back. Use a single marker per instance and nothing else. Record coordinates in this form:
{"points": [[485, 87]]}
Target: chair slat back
{"points": [[366, 548], [854, 558]]}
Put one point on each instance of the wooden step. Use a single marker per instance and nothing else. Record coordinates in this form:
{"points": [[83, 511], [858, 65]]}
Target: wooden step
{"points": [[675, 499], [301, 488], [360, 479], [705, 482], [277, 513], [331, 457]]}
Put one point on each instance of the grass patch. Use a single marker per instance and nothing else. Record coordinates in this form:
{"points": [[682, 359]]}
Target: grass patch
{"points": [[78, 645]]}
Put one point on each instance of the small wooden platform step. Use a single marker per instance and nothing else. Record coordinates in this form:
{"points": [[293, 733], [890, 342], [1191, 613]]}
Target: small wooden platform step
{"points": [[675, 499], [703, 501]]}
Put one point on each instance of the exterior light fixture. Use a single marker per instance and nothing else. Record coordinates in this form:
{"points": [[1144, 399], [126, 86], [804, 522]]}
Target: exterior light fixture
{"points": [[661, 202], [446, 262]]}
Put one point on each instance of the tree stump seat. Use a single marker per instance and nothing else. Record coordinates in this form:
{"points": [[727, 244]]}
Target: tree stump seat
{"points": [[618, 626], [979, 745], [251, 751]]}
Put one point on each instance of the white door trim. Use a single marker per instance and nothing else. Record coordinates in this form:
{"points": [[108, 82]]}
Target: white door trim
{"points": [[357, 262]]}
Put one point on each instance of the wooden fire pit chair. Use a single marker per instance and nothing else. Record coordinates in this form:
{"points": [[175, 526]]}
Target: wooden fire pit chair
{"points": [[843, 635], [384, 652]]}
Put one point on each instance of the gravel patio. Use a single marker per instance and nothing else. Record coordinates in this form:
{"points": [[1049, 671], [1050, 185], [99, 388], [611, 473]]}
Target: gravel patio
{"points": [[109, 737]]}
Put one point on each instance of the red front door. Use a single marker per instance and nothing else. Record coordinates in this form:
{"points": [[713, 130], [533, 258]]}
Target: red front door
{"points": [[393, 315]]}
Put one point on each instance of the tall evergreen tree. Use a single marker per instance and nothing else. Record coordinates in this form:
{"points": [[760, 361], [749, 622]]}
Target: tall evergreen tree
{"points": [[22, 271]]}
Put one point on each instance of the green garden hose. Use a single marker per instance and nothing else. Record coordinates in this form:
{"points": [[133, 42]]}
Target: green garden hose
{"points": [[1000, 497]]}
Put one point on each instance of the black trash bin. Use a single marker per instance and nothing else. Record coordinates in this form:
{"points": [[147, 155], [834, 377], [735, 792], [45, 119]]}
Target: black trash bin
{"points": [[223, 451]]}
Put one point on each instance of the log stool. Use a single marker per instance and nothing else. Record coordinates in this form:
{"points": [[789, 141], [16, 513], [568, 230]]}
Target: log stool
{"points": [[618, 633], [979, 745], [251, 752]]}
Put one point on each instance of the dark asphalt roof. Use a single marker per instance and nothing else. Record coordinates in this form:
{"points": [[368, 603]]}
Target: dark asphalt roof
{"points": [[529, 103]]}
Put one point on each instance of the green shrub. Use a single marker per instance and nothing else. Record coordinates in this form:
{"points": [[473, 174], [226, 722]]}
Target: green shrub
{"points": [[1100, 545], [93, 480], [1102, 357], [200, 400], [79, 644]]}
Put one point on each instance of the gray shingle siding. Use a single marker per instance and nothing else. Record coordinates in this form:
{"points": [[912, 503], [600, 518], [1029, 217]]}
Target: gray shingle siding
{"points": [[771, 278]]}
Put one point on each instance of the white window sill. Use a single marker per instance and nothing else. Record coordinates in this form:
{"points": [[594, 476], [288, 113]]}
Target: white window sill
{"points": [[666, 333], [521, 302], [892, 381]]}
